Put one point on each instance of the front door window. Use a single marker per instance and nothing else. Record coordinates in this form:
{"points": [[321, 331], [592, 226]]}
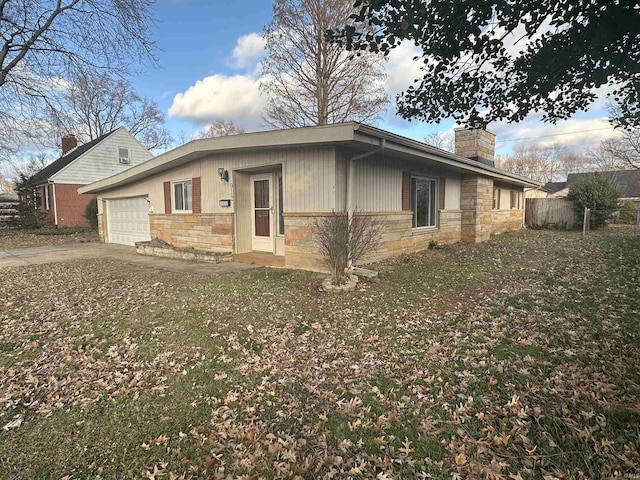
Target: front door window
{"points": [[262, 208]]}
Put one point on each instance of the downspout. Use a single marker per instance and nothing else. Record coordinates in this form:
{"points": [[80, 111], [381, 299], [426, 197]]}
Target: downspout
{"points": [[524, 205], [55, 205], [350, 179]]}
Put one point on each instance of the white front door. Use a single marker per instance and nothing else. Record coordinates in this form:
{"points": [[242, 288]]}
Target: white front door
{"points": [[262, 212]]}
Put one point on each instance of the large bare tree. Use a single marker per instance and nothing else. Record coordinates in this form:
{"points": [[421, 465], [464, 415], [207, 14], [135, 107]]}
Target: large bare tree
{"points": [[617, 153], [220, 128], [41, 40], [441, 140], [309, 81], [93, 104], [544, 164]]}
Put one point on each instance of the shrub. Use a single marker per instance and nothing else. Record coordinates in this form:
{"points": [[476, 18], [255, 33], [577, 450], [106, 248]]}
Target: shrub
{"points": [[628, 213], [91, 213], [341, 240], [29, 207], [596, 193]]}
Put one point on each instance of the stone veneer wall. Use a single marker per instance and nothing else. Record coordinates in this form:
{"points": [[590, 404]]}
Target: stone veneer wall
{"points": [[202, 231], [398, 237], [101, 229], [476, 203], [506, 220], [300, 247]]}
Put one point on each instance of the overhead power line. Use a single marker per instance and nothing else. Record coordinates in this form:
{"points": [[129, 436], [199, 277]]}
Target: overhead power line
{"points": [[554, 135]]}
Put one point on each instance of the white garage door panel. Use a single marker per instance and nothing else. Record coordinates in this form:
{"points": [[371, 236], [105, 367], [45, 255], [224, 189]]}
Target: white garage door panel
{"points": [[128, 220]]}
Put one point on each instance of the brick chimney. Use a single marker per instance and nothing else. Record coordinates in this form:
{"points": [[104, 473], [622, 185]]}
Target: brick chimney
{"points": [[69, 142], [476, 144]]}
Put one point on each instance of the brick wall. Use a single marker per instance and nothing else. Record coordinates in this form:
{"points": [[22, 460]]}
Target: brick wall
{"points": [[70, 205], [202, 231], [397, 237], [46, 217], [506, 220], [476, 203]]}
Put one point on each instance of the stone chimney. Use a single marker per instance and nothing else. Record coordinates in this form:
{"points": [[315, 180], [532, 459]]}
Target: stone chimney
{"points": [[69, 142], [476, 144]]}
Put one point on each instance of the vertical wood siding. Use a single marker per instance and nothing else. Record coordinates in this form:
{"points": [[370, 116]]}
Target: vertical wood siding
{"points": [[377, 185], [452, 194], [309, 177], [379, 180], [342, 173]]}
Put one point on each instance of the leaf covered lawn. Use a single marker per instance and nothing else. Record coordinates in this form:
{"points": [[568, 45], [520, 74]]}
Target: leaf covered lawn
{"points": [[11, 238], [517, 358]]}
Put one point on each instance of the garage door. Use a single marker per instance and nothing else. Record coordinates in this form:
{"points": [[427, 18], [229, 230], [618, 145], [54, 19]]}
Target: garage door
{"points": [[128, 220]]}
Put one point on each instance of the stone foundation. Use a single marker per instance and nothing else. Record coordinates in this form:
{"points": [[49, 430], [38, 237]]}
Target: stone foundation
{"points": [[201, 231], [398, 237], [506, 220], [101, 227], [300, 245]]}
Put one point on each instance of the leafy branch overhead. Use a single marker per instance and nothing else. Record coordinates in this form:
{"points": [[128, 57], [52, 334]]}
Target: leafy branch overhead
{"points": [[501, 60]]}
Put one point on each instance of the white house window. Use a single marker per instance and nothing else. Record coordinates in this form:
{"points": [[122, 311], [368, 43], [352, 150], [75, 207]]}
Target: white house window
{"points": [[424, 193], [182, 196], [123, 155]]}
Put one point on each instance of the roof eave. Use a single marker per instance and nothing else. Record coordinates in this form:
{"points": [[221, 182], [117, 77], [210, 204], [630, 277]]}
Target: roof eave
{"points": [[420, 149], [323, 135], [196, 149]]}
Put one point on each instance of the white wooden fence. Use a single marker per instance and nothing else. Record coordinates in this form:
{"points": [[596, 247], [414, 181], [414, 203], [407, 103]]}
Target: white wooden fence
{"points": [[549, 212], [7, 211]]}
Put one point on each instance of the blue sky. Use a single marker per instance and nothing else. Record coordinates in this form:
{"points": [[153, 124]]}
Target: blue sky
{"points": [[208, 69]]}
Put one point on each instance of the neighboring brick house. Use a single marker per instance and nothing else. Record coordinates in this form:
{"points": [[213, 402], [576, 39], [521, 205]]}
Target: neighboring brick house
{"points": [[264, 192], [57, 184]]}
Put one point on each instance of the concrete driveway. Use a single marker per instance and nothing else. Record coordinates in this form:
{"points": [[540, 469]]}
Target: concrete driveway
{"points": [[21, 257]]}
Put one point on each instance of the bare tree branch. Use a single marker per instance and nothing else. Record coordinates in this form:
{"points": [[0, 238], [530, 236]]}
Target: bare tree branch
{"points": [[42, 41], [95, 103], [309, 81], [220, 128]]}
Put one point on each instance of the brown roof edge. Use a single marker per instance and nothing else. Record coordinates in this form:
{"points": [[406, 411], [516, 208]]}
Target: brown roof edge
{"points": [[439, 154], [325, 134]]}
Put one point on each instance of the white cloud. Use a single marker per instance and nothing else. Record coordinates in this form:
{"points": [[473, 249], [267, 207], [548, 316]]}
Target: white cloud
{"points": [[221, 97], [402, 70], [248, 51]]}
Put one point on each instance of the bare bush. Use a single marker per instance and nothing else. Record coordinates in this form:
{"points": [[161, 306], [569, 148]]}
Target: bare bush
{"points": [[343, 240]]}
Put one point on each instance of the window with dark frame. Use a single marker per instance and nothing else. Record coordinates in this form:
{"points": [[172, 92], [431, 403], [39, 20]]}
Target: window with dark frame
{"points": [[182, 196], [424, 201]]}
